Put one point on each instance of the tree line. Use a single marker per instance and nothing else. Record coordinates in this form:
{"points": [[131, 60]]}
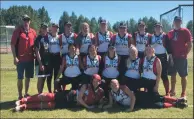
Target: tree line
{"points": [[12, 16]]}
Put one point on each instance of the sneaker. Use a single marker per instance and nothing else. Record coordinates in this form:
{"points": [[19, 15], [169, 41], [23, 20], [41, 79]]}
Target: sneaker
{"points": [[26, 95], [182, 100], [20, 97], [181, 105], [19, 108]]}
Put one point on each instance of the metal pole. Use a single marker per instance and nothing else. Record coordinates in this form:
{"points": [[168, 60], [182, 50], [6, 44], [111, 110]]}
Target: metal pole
{"points": [[179, 10]]}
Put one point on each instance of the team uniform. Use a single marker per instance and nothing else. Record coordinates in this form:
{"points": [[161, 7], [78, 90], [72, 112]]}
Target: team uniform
{"points": [[65, 99], [110, 72], [82, 42], [140, 41], [149, 73], [65, 41], [91, 66], [103, 41], [161, 46], [42, 43], [71, 73], [54, 57], [122, 49], [145, 100], [178, 40], [132, 75]]}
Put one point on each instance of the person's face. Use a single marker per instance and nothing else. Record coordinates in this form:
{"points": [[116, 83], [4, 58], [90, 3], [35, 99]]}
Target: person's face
{"points": [[96, 82], [111, 50], [114, 85], [122, 30], [141, 28], [92, 50], [103, 26], [68, 28], [85, 29], [72, 49], [26, 22], [54, 29], [157, 29], [149, 51], [44, 30], [177, 23], [133, 53]]}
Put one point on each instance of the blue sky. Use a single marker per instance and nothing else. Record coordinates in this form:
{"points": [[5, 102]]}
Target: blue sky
{"points": [[111, 10]]}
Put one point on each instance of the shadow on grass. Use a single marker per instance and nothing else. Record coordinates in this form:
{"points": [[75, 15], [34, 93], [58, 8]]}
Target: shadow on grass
{"points": [[7, 105]]}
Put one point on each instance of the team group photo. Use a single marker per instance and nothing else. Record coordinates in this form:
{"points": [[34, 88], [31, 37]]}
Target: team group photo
{"points": [[82, 68]]}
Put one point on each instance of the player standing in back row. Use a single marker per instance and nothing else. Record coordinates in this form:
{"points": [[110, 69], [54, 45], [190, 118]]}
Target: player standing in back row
{"points": [[122, 42], [141, 39], [102, 40]]}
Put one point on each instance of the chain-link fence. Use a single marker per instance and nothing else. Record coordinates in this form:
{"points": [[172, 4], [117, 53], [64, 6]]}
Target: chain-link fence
{"points": [[5, 39], [184, 11]]}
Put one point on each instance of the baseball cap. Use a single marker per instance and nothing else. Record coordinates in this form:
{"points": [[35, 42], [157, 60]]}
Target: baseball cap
{"points": [[55, 25], [96, 76], [25, 17], [111, 46], [43, 25], [158, 24], [122, 25], [102, 21], [141, 23], [67, 23], [177, 18]]}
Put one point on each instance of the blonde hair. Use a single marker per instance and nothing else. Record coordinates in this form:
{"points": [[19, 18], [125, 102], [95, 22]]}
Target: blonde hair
{"points": [[84, 24], [128, 62]]}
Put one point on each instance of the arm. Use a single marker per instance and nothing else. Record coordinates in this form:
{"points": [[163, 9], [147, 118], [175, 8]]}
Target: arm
{"points": [[133, 39], [129, 40], [159, 71], [131, 96], [189, 46], [13, 43], [80, 96], [110, 104], [189, 40], [62, 67]]}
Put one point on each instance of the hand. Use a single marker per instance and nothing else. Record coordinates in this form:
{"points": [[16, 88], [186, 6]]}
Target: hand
{"points": [[91, 107], [16, 61], [171, 60], [155, 88], [42, 67]]}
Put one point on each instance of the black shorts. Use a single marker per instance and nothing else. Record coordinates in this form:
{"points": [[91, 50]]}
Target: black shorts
{"points": [[101, 65], [45, 72], [148, 100], [141, 55], [164, 62], [86, 79], [122, 65], [131, 83], [65, 99], [148, 84], [74, 81], [180, 66]]}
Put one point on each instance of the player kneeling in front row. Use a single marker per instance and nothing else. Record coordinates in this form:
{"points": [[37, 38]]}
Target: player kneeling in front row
{"points": [[88, 96], [126, 98]]}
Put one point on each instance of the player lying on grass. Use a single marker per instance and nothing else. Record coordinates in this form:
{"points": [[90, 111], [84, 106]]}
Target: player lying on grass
{"points": [[88, 96], [123, 96]]}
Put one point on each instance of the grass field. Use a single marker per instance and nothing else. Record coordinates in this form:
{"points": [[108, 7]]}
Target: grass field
{"points": [[9, 95]]}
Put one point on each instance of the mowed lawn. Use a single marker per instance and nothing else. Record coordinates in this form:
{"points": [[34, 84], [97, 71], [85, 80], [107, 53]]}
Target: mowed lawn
{"points": [[9, 95]]}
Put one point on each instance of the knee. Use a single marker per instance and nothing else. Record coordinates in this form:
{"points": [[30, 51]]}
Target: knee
{"points": [[183, 78]]}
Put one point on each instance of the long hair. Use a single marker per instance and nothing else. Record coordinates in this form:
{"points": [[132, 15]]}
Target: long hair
{"points": [[128, 62], [82, 26]]}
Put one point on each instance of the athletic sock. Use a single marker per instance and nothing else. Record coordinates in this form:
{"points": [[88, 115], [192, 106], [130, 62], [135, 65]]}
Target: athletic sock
{"points": [[167, 105], [169, 99]]}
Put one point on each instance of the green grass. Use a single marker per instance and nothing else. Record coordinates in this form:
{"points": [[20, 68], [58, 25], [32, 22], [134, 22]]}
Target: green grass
{"points": [[9, 95]]}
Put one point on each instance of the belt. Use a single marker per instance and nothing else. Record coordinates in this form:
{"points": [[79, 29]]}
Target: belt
{"points": [[55, 53]]}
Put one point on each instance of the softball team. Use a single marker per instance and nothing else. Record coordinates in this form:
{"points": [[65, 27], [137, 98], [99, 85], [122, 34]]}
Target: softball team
{"points": [[134, 62]]}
